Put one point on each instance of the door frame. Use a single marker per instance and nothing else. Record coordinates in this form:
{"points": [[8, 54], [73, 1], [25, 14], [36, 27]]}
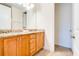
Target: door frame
{"points": [[71, 26]]}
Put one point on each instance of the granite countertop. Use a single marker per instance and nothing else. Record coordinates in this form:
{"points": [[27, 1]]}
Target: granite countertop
{"points": [[19, 33]]}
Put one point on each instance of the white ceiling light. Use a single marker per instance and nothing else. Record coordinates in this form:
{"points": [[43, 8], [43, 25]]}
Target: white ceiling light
{"points": [[27, 6]]}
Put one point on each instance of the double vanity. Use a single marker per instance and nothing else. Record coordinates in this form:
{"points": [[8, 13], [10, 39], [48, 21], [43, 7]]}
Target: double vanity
{"points": [[24, 43]]}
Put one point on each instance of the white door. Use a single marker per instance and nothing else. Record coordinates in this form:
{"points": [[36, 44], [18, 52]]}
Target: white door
{"points": [[65, 25], [75, 33], [63, 18]]}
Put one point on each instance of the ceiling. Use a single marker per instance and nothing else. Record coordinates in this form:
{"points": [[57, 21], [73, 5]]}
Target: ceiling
{"points": [[17, 6]]}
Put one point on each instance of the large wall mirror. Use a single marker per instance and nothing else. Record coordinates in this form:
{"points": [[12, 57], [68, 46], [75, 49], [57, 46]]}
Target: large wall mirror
{"points": [[12, 17], [5, 17]]}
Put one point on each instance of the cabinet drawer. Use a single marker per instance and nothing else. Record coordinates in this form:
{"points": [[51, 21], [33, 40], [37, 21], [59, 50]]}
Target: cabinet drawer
{"points": [[33, 49], [32, 46], [25, 36], [32, 43], [33, 36]]}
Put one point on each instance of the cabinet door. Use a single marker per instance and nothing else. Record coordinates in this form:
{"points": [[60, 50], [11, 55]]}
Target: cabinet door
{"points": [[40, 40], [1, 47], [23, 46], [10, 46], [32, 44]]}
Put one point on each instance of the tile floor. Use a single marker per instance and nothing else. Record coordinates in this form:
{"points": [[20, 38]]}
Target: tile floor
{"points": [[59, 51]]}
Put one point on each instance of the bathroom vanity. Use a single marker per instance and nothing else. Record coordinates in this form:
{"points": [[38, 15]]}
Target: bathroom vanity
{"points": [[21, 43]]}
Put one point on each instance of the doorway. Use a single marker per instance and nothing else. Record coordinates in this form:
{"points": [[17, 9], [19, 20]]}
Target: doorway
{"points": [[63, 27]]}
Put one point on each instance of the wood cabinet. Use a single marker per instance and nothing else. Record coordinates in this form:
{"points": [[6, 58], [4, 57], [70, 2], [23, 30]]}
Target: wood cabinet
{"points": [[10, 46], [1, 47], [22, 45]]}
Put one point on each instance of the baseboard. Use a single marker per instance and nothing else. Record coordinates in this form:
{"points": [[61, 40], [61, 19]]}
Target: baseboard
{"points": [[63, 46]]}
